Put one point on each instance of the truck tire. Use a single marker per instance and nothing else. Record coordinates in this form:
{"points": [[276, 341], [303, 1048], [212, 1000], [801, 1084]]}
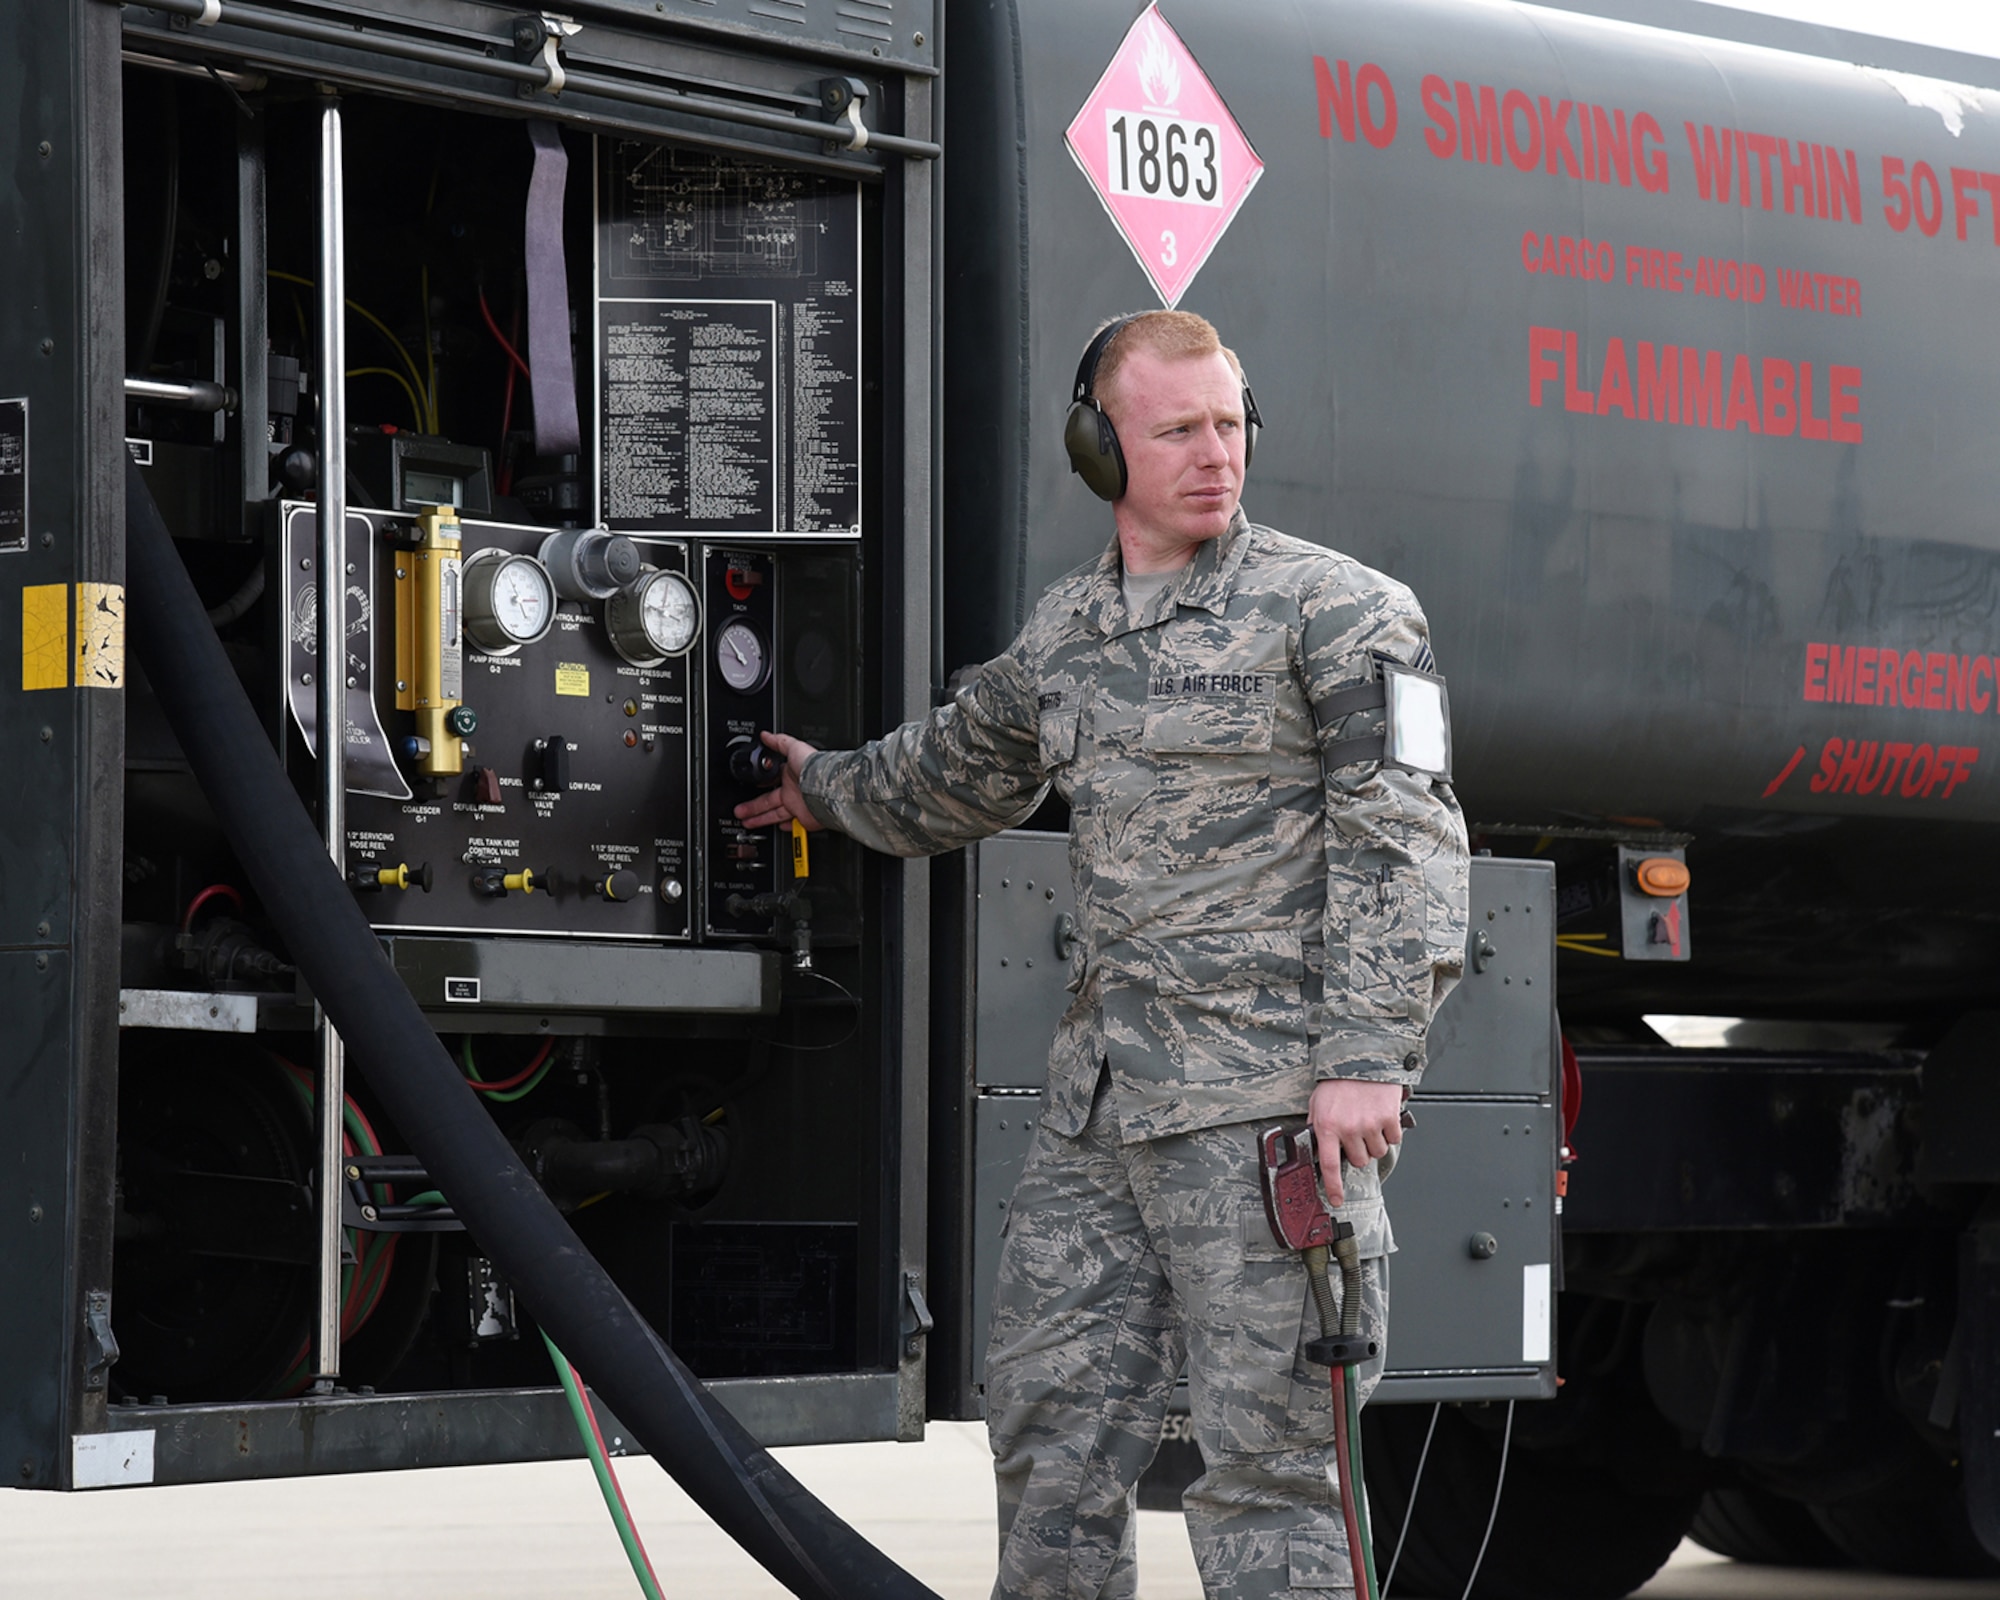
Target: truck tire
{"points": [[1926, 1534], [1764, 1529], [1566, 1530]]}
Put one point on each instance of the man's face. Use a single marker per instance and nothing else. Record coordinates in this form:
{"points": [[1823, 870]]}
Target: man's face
{"points": [[1180, 424]]}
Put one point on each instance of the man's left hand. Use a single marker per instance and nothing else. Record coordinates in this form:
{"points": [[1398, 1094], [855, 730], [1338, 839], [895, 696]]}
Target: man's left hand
{"points": [[1358, 1118]]}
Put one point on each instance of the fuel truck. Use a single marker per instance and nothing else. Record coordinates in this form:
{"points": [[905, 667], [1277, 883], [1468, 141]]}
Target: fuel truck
{"points": [[552, 401]]}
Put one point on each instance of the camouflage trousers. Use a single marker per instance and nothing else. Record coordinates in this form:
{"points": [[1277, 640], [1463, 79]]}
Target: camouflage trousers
{"points": [[1121, 1261]]}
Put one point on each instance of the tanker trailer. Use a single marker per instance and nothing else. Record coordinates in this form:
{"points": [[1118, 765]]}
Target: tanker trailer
{"points": [[1660, 366]]}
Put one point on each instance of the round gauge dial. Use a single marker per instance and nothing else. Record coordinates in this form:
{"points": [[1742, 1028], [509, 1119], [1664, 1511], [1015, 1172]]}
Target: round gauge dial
{"points": [[741, 658], [653, 617], [510, 600]]}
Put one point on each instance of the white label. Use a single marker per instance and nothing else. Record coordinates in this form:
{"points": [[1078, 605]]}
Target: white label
{"points": [[461, 991], [1162, 157], [111, 1460], [1417, 730], [1537, 1318]]}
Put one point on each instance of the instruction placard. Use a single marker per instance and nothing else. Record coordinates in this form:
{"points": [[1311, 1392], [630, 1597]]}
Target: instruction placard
{"points": [[728, 346]]}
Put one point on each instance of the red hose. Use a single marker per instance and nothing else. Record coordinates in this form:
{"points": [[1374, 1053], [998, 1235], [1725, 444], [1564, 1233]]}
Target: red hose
{"points": [[1348, 1512], [206, 895], [520, 1077]]}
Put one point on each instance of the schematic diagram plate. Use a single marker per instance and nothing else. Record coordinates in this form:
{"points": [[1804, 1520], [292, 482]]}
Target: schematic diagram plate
{"points": [[728, 347]]}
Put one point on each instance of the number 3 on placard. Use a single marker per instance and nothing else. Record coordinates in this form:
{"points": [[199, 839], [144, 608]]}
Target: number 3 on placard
{"points": [[1169, 254]]}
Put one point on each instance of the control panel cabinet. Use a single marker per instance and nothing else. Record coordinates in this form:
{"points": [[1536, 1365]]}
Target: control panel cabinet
{"points": [[622, 490]]}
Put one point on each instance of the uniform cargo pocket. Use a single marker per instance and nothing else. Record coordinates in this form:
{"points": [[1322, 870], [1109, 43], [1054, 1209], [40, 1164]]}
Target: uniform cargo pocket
{"points": [[1270, 1397]]}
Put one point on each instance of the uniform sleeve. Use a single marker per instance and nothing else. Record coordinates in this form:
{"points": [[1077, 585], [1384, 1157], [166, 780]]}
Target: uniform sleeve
{"points": [[1396, 856], [969, 769]]}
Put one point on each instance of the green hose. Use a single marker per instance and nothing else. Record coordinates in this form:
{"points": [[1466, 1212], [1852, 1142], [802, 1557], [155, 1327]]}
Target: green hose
{"points": [[607, 1486], [1350, 1392]]}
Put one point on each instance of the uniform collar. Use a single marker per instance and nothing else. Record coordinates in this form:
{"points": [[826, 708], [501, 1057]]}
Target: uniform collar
{"points": [[1205, 583]]}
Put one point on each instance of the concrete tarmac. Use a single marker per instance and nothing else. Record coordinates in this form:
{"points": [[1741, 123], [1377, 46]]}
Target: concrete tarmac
{"points": [[539, 1532]]}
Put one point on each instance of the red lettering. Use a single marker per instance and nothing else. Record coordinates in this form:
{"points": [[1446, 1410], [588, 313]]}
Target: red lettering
{"points": [[1763, 147], [1796, 177], [1816, 671], [1897, 211], [1912, 684], [1957, 681], [1924, 181], [1701, 388], [1894, 757], [1853, 764], [1829, 767], [1525, 156], [1964, 198], [1779, 412], [1574, 398], [1963, 761], [1712, 167], [1542, 345], [1380, 132], [1336, 99], [1479, 124], [1979, 699], [1742, 398], [1659, 382], [1840, 672], [1810, 426], [1441, 138], [1555, 137], [1652, 164], [1947, 758], [1613, 150], [1615, 389], [1844, 403], [1844, 188], [1864, 675], [1934, 681], [1914, 778]]}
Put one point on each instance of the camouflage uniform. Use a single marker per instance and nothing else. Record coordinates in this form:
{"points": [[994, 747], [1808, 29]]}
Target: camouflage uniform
{"points": [[1251, 919]]}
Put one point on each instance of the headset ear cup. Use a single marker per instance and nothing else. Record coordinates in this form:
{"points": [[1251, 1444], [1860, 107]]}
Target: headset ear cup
{"points": [[1094, 455], [1252, 423]]}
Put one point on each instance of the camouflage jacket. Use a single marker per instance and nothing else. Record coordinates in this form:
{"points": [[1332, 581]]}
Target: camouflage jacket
{"points": [[1250, 920]]}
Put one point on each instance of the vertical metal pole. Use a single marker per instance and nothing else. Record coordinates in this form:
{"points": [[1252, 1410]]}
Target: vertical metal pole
{"points": [[331, 562]]}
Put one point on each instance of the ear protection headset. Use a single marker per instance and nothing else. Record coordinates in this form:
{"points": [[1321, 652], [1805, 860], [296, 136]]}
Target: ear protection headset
{"points": [[1094, 452]]}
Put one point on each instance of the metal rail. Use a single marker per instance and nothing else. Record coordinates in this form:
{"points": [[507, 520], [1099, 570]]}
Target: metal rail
{"points": [[542, 75], [331, 694]]}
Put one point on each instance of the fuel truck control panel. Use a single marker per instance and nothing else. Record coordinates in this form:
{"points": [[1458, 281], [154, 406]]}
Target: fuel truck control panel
{"points": [[542, 725]]}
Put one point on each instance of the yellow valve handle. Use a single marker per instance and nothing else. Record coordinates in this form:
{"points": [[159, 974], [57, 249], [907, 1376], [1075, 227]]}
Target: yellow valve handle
{"points": [[801, 863], [396, 877], [523, 880]]}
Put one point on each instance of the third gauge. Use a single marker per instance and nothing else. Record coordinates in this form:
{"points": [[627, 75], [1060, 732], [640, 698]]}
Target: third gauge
{"points": [[652, 617]]}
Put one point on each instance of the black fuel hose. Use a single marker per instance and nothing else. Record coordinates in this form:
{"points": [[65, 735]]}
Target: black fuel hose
{"points": [[707, 1451]]}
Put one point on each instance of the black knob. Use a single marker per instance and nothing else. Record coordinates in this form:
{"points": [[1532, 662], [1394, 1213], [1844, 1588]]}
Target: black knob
{"points": [[620, 885], [755, 764]]}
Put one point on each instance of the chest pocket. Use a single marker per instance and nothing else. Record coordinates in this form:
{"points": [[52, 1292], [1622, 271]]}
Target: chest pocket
{"points": [[1202, 727], [1210, 758]]}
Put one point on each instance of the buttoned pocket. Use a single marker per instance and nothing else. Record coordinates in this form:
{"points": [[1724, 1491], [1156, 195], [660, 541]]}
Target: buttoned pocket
{"points": [[1058, 740]]}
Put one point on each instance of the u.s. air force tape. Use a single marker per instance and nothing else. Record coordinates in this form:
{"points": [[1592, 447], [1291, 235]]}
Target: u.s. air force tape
{"points": [[1416, 726]]}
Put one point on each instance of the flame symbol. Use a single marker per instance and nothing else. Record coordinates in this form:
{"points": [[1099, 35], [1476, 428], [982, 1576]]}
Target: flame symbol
{"points": [[1159, 73]]}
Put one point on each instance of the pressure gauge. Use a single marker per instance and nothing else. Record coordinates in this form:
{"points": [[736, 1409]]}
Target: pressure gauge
{"points": [[741, 658], [652, 617], [510, 600]]}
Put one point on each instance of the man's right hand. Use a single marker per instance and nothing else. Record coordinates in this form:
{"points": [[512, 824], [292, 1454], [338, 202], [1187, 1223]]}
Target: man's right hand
{"points": [[787, 802]]}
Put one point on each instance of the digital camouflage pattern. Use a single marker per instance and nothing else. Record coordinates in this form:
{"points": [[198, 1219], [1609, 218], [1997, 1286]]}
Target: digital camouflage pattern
{"points": [[1255, 912], [1249, 920], [1121, 1260]]}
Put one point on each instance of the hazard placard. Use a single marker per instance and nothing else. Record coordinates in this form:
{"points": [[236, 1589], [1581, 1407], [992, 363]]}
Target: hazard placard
{"points": [[1163, 153]]}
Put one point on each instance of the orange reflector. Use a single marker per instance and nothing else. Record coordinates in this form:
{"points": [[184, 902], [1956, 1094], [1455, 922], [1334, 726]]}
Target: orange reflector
{"points": [[1663, 876]]}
